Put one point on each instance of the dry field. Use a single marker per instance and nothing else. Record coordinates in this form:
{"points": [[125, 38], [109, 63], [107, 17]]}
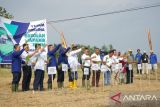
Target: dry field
{"points": [[79, 97]]}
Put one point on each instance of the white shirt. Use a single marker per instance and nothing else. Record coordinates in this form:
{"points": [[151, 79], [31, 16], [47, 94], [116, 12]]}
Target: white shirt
{"points": [[84, 61], [96, 59], [24, 56], [40, 59], [72, 58], [109, 61]]}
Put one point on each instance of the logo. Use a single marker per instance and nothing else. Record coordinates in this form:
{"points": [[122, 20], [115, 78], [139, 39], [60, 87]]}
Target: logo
{"points": [[116, 98]]}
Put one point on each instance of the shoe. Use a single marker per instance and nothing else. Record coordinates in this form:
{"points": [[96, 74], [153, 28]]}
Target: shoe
{"points": [[70, 84], [13, 88], [75, 84]]}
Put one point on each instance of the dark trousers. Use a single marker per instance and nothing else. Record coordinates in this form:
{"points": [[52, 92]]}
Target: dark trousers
{"points": [[50, 77], [69, 75], [60, 77], [86, 76], [27, 73], [16, 77], [129, 75], [74, 76], [97, 73], [38, 79]]}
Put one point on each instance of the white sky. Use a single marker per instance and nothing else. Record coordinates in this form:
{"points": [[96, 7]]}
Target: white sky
{"points": [[123, 31]]}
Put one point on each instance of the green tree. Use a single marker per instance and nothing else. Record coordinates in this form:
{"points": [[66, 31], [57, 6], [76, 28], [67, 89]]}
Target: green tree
{"points": [[4, 13]]}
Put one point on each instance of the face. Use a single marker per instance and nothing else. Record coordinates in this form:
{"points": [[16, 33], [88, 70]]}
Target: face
{"points": [[111, 54], [17, 48], [138, 51], [51, 48], [115, 53], [97, 51], [86, 52], [27, 48], [38, 47]]}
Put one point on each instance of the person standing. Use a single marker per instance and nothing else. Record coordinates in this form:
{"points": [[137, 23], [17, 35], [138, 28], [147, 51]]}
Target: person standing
{"points": [[129, 73], [63, 66], [26, 67], [16, 66], [107, 60], [153, 60], [73, 63], [52, 62], [86, 67], [96, 63], [144, 59], [39, 61], [138, 60]]}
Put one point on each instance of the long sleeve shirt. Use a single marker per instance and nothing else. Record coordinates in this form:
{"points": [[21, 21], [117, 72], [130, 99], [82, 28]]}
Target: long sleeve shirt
{"points": [[52, 57], [16, 61], [153, 59]]}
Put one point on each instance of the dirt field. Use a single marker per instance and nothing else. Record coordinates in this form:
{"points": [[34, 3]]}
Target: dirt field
{"points": [[99, 97]]}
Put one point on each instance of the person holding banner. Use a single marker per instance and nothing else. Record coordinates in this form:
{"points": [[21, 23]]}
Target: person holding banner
{"points": [[96, 63], [138, 60], [39, 60], [107, 60], [130, 61], [63, 66], [73, 63], [153, 60], [145, 59], [16, 66], [52, 63], [26, 67], [86, 67]]}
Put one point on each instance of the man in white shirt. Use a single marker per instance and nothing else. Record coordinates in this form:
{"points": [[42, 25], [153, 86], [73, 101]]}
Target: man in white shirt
{"points": [[26, 67], [108, 61], [96, 63], [40, 59], [86, 67], [73, 62]]}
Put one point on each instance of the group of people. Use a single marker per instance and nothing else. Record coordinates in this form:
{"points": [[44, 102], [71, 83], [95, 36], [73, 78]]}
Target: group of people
{"points": [[116, 67]]}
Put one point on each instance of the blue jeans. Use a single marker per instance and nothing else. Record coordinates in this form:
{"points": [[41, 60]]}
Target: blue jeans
{"points": [[107, 77]]}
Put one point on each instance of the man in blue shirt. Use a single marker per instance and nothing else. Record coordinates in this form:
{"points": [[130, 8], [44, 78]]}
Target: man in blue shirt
{"points": [[62, 62], [16, 66], [52, 62], [138, 60], [153, 59]]}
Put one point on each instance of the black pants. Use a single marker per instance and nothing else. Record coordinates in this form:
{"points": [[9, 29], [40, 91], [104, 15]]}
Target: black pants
{"points": [[97, 74], [88, 76], [69, 75], [129, 75], [60, 77], [50, 77], [38, 79], [16, 77], [27, 73]]}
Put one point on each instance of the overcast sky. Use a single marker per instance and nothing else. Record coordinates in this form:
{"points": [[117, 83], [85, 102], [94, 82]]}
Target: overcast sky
{"points": [[123, 31]]}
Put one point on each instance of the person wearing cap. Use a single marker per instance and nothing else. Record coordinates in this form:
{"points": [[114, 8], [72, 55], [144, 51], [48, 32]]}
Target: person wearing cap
{"points": [[16, 66], [73, 63], [129, 69], [52, 62], [144, 60], [153, 59], [108, 61], [96, 63], [138, 60]]}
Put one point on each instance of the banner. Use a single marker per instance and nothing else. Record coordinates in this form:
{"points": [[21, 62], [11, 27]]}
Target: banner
{"points": [[13, 32]]}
